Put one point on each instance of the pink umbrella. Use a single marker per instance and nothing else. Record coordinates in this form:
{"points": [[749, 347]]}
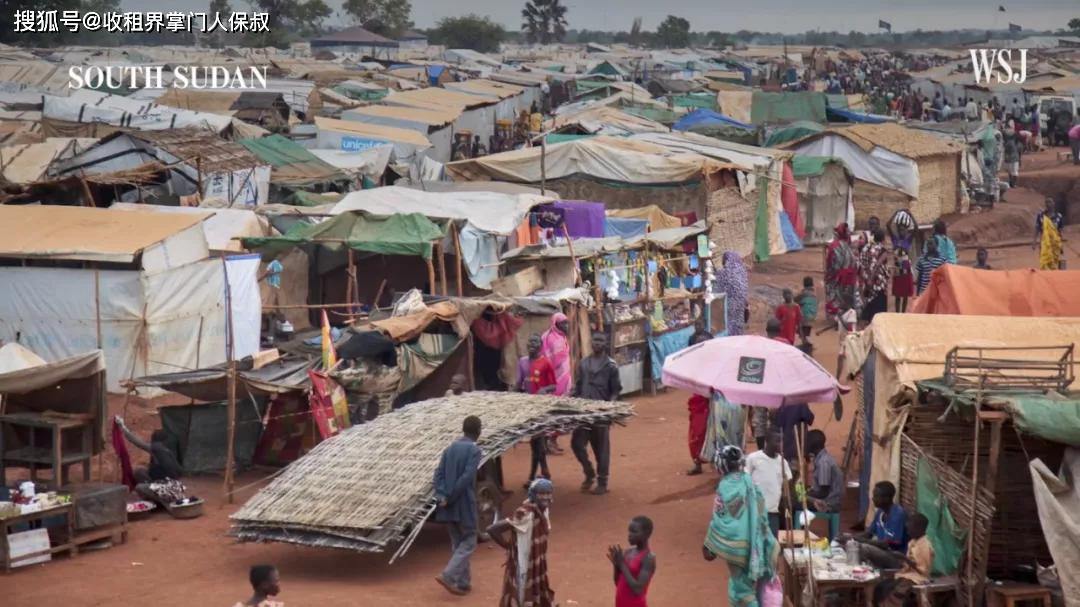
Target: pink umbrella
{"points": [[751, 370]]}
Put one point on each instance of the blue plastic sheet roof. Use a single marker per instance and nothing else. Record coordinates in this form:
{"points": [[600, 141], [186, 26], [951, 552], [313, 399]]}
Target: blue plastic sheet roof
{"points": [[842, 115], [706, 117]]}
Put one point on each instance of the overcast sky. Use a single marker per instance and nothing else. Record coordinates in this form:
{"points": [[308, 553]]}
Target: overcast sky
{"points": [[789, 16]]}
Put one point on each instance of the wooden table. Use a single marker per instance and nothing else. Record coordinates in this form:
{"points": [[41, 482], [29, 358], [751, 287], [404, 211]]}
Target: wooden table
{"points": [[66, 510], [54, 456], [1009, 595], [795, 576]]}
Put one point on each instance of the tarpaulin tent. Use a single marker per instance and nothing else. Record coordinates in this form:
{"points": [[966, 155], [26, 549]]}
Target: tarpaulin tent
{"points": [[290, 163], [399, 234], [351, 136], [791, 132], [845, 115], [960, 290], [824, 187], [787, 107], [704, 118]]}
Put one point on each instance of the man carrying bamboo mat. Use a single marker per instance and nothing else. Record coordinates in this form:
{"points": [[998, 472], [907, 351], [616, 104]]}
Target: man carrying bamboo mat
{"points": [[455, 494]]}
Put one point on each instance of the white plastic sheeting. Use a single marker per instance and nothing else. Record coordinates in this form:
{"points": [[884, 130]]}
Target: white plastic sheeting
{"points": [[222, 227], [371, 161], [1058, 499], [145, 323], [878, 166]]}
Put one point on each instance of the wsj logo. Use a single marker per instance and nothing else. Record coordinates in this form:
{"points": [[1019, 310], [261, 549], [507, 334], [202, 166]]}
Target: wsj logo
{"points": [[988, 63]]}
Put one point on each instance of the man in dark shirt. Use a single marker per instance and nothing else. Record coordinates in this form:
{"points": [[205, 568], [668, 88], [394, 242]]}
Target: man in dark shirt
{"points": [[163, 461], [827, 491], [455, 495], [598, 379]]}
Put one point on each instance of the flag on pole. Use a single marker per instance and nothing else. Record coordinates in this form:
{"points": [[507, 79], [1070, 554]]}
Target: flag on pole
{"points": [[1001, 9], [1014, 27], [885, 25], [329, 356]]}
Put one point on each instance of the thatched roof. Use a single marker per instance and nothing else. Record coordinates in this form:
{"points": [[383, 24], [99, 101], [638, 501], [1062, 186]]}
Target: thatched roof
{"points": [[371, 486], [902, 140]]}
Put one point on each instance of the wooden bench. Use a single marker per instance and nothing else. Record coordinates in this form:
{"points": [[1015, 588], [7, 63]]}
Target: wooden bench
{"points": [[1009, 595], [926, 593]]}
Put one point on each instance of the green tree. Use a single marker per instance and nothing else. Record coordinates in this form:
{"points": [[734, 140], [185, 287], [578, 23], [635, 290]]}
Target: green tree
{"points": [[635, 32], [544, 21], [223, 10], [674, 32], [470, 31], [1074, 24], [385, 17]]}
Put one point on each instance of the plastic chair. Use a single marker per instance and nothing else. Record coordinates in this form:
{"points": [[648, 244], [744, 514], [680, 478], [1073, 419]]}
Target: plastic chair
{"points": [[832, 517]]}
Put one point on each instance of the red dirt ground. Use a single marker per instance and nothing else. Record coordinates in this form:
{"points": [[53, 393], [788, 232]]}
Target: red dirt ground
{"points": [[173, 562]]}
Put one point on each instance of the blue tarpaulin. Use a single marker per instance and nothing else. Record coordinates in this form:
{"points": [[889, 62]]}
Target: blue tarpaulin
{"points": [[842, 115], [704, 117], [624, 227], [433, 73], [660, 346]]}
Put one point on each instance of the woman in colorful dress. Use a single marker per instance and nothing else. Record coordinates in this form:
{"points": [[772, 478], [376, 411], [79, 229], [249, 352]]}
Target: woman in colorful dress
{"points": [[841, 272], [739, 531], [557, 351], [734, 282], [524, 536]]}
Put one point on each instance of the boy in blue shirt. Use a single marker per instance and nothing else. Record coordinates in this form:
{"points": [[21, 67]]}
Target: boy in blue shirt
{"points": [[808, 302], [884, 544]]}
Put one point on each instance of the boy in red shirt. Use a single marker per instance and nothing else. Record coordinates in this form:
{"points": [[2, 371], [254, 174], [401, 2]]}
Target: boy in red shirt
{"points": [[536, 376], [790, 316]]}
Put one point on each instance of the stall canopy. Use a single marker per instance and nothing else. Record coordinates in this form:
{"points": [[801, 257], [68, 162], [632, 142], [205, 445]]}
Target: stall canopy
{"points": [[279, 377], [796, 130], [668, 238], [787, 107], [959, 290], [399, 234]]}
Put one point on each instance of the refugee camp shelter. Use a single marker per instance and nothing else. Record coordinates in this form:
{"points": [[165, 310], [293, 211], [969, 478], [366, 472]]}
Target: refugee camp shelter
{"points": [[292, 166], [472, 111], [350, 136], [825, 187], [222, 227], [264, 108], [191, 164], [436, 124], [899, 350], [894, 167], [958, 289], [29, 162], [137, 285]]}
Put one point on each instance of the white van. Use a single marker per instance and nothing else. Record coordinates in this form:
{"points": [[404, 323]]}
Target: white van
{"points": [[1049, 105]]}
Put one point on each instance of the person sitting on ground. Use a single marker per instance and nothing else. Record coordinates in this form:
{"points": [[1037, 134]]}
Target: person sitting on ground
{"points": [[265, 582], [765, 468], [458, 385], [536, 376], [827, 490], [885, 542], [164, 464], [981, 257], [790, 316], [917, 566], [635, 566]]}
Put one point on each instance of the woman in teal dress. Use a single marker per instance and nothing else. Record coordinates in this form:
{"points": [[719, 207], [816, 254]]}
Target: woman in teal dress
{"points": [[739, 531]]}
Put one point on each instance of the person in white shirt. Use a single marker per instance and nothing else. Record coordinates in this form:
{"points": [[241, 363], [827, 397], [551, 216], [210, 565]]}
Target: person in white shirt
{"points": [[764, 468], [971, 109]]}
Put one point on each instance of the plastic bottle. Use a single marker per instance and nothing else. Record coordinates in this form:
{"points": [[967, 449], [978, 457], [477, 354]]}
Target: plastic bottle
{"points": [[852, 551]]}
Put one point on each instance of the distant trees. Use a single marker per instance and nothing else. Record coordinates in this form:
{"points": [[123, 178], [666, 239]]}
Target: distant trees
{"points": [[287, 19], [1074, 24], [674, 32], [470, 31], [544, 21], [384, 17]]}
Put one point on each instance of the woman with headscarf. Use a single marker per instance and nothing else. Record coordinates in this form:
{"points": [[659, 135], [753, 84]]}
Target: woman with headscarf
{"points": [[739, 531], [874, 276], [557, 350], [733, 281], [841, 272], [525, 581], [946, 248]]}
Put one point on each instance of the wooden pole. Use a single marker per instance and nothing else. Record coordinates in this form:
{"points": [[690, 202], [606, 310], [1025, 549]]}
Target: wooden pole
{"points": [[442, 268], [378, 294], [431, 274], [573, 258], [469, 361], [457, 253], [596, 294], [543, 164], [350, 278], [86, 191], [806, 508], [230, 445]]}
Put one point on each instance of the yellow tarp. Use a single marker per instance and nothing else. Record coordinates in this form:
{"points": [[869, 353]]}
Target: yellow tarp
{"points": [[658, 219]]}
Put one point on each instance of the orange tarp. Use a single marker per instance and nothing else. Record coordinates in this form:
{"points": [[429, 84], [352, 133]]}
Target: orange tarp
{"points": [[960, 290]]}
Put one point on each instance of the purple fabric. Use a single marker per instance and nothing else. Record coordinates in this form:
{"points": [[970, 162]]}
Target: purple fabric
{"points": [[583, 219]]}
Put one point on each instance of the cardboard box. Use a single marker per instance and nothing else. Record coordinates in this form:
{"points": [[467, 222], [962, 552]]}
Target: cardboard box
{"points": [[525, 282]]}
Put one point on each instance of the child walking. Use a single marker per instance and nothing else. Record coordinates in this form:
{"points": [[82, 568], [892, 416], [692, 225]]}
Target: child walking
{"points": [[635, 566], [808, 303], [790, 316]]}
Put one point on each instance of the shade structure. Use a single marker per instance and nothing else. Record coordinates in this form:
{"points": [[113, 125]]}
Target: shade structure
{"points": [[751, 370]]}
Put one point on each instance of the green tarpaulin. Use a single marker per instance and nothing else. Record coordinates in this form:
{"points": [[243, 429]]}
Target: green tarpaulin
{"points": [[787, 107], [301, 198], [837, 101], [400, 234], [1052, 417], [945, 535], [795, 130], [695, 100], [661, 115], [809, 166], [291, 164], [561, 137]]}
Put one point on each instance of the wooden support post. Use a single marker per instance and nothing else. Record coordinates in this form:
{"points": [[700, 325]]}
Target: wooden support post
{"points": [[597, 294], [573, 258], [438, 249], [350, 294], [86, 192], [543, 164], [431, 274], [378, 294], [470, 364], [457, 254], [230, 439]]}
